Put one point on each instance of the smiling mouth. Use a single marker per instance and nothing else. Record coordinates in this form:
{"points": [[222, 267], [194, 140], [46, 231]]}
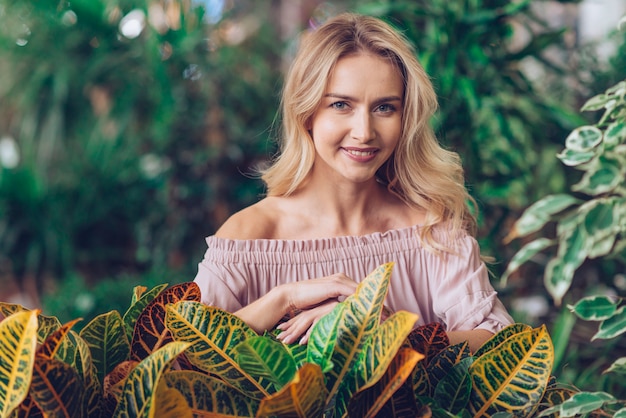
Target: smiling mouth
{"points": [[358, 153]]}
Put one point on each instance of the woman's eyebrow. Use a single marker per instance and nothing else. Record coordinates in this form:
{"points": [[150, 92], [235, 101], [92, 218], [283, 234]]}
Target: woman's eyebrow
{"points": [[350, 98]]}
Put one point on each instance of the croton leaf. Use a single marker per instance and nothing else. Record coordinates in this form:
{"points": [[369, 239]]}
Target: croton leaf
{"points": [[47, 324], [113, 385], [56, 388], [150, 331], [265, 357], [502, 336], [368, 402], [57, 345], [348, 327], [27, 409], [303, 397], [209, 394], [454, 389], [107, 341], [18, 333], [214, 334], [140, 300], [170, 403], [513, 376], [429, 340], [138, 395], [442, 364]]}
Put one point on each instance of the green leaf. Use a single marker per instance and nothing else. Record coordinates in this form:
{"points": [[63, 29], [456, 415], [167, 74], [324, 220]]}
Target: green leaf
{"points": [[594, 308], [615, 134], [525, 253], [596, 102], [455, 388], [370, 400], [303, 397], [138, 395], [604, 175], [502, 336], [137, 306], [108, 342], [613, 326], [581, 403], [18, 333], [573, 158], [204, 392], [618, 366], [56, 388], [214, 334], [583, 138], [513, 376], [264, 357], [538, 214]]}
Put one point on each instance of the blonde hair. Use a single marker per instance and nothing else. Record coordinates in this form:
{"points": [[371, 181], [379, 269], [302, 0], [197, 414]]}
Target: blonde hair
{"points": [[420, 171]]}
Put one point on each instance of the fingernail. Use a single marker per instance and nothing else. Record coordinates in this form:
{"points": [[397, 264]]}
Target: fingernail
{"points": [[303, 340]]}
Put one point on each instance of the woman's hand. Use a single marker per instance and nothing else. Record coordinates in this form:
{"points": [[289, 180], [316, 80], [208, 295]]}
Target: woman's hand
{"points": [[310, 293], [303, 323], [264, 313]]}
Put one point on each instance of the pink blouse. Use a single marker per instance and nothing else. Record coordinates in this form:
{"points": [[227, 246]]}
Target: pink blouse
{"points": [[450, 289]]}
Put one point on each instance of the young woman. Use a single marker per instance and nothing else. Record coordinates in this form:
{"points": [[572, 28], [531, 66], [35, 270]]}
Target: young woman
{"points": [[360, 181]]}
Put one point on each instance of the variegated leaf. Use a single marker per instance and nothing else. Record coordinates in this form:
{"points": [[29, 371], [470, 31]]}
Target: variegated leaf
{"points": [[323, 338], [369, 401], [56, 388], [354, 326], [264, 357], [539, 213], [138, 395], [140, 300], [150, 331], [18, 334], [454, 389], [501, 336], [170, 403], [214, 334], [513, 376], [303, 397], [594, 308], [441, 365], [612, 327], [47, 324], [27, 409], [525, 253], [57, 343], [554, 395], [429, 340], [107, 341], [209, 394], [603, 175], [113, 385]]}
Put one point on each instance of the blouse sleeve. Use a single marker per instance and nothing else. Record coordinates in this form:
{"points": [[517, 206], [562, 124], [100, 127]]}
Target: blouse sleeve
{"points": [[217, 287], [464, 298]]}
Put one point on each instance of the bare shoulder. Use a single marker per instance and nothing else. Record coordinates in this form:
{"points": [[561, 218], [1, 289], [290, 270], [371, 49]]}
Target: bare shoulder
{"points": [[257, 221]]}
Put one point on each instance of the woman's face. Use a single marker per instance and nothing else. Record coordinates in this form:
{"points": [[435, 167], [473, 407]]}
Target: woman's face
{"points": [[359, 121]]}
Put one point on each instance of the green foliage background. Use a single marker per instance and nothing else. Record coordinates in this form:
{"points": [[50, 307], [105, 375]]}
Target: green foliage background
{"points": [[132, 150]]}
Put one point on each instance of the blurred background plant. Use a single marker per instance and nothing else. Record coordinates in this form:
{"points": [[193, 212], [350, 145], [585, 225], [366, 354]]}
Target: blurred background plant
{"points": [[130, 129]]}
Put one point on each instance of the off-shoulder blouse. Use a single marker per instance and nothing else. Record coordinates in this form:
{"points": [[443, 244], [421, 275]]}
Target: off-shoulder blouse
{"points": [[450, 289]]}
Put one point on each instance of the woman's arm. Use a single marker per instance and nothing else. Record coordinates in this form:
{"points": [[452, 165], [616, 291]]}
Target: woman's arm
{"points": [[264, 313], [475, 338]]}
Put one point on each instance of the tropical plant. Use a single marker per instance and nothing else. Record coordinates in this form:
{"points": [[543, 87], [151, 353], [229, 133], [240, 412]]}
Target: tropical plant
{"points": [[130, 151], [170, 355], [590, 226], [505, 126]]}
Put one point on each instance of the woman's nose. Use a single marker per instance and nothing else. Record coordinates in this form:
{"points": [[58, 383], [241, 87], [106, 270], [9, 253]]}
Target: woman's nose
{"points": [[362, 126]]}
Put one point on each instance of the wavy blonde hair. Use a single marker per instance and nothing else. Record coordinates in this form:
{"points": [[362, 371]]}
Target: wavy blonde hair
{"points": [[420, 171]]}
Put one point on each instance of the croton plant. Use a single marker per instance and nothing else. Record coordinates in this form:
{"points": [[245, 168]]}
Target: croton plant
{"points": [[169, 355]]}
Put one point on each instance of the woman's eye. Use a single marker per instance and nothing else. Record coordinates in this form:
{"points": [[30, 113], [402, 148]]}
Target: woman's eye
{"points": [[385, 108], [339, 105]]}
